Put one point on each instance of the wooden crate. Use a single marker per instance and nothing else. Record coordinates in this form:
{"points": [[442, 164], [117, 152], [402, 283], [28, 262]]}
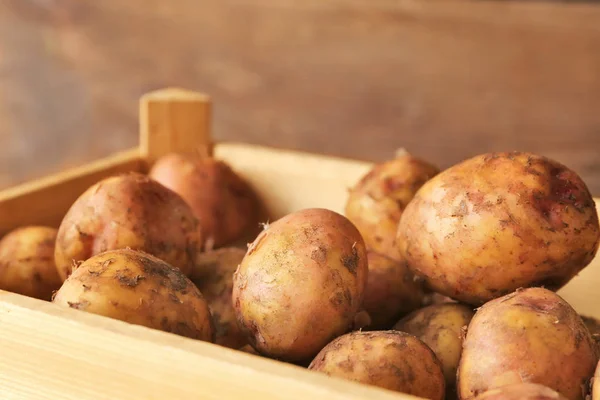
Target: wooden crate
{"points": [[48, 352]]}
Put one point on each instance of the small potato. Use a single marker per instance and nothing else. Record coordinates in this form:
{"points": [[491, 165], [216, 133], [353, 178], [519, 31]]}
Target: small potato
{"points": [[377, 201], [301, 284], [27, 262], [389, 359], [391, 292], [223, 202], [215, 280], [531, 335], [132, 211], [441, 328], [521, 391], [498, 222], [141, 289]]}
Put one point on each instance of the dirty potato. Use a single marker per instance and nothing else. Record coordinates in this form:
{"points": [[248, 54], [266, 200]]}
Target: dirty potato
{"points": [[376, 203], [531, 335], [441, 327], [389, 359], [300, 284], [213, 275], [27, 262], [498, 222], [521, 391], [141, 289], [132, 211], [223, 202]]}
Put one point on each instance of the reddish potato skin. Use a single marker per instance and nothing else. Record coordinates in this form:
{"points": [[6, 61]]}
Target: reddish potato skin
{"points": [[128, 211], [531, 335], [388, 359], [223, 202], [497, 222], [521, 391], [376, 202], [27, 262], [300, 284]]}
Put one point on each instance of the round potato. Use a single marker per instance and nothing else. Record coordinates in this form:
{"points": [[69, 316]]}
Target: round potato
{"points": [[300, 284], [531, 335], [132, 211], [391, 292], [27, 262], [376, 203], [441, 327], [499, 222], [389, 359], [141, 289], [224, 204], [215, 280], [521, 391]]}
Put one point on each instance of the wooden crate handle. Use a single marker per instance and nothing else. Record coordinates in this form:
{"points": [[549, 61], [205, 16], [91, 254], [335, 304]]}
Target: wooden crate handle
{"points": [[174, 120]]}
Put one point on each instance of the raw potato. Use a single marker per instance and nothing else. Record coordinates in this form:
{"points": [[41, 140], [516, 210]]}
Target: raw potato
{"points": [[376, 203], [499, 222], [132, 211], [531, 335], [301, 284], [141, 289], [215, 280], [441, 327], [391, 292], [389, 359], [521, 391], [27, 262], [224, 203]]}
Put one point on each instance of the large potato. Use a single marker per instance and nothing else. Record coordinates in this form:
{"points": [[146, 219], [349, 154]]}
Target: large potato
{"points": [[521, 391], [132, 211], [27, 262], [498, 222], [531, 335], [301, 284], [141, 289], [224, 204], [388, 359], [376, 203]]}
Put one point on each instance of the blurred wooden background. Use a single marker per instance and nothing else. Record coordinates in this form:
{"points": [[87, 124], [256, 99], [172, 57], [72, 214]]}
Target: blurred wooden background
{"points": [[446, 80]]}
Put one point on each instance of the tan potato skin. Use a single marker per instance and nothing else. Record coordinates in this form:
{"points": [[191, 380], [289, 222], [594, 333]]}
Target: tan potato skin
{"points": [[498, 222], [392, 291], [377, 201], [301, 284], [441, 327], [141, 289], [27, 262], [215, 280], [388, 359], [531, 335], [132, 211], [223, 202], [521, 391]]}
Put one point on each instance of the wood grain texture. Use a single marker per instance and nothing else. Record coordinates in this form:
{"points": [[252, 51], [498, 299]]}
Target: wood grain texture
{"points": [[355, 78]]}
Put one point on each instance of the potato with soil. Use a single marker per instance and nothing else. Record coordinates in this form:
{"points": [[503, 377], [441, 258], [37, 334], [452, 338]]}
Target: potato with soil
{"points": [[128, 211], [223, 202], [498, 222], [521, 391], [531, 335], [377, 201], [441, 327], [300, 284], [213, 275], [389, 359], [141, 289], [27, 262]]}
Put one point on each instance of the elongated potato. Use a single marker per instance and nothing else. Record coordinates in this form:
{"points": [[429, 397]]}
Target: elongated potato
{"points": [[132, 211], [498, 222], [27, 262], [521, 391], [141, 289], [531, 335], [389, 359], [301, 284]]}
